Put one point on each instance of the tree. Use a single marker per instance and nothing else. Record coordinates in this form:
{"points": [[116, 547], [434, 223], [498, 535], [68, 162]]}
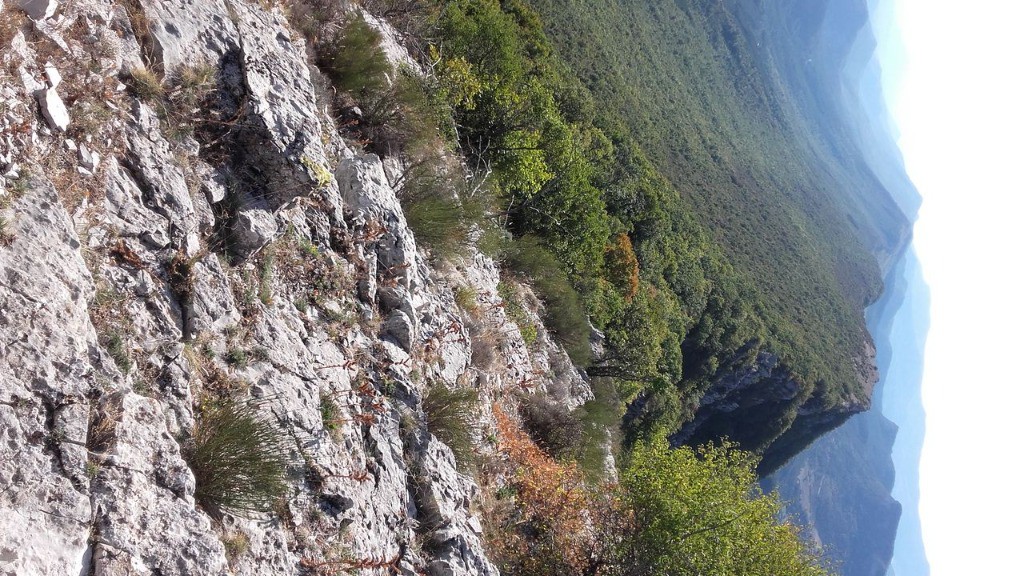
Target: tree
{"points": [[637, 336], [701, 512], [621, 266]]}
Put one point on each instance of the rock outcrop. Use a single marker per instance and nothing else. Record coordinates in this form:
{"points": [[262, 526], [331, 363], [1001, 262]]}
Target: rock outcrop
{"points": [[759, 403], [146, 263]]}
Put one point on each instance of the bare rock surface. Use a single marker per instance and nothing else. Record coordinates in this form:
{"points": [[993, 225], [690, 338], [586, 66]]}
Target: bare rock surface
{"points": [[46, 345], [54, 110], [37, 9], [146, 272]]}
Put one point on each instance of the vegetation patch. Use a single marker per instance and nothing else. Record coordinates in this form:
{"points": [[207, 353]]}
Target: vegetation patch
{"points": [[181, 98], [6, 234], [675, 512], [552, 426], [451, 415], [515, 312], [465, 298], [238, 458], [564, 314], [330, 412], [110, 316], [236, 544]]}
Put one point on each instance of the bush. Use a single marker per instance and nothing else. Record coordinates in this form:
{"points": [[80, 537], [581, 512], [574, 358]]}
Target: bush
{"points": [[352, 58], [702, 510], [600, 419], [441, 209], [557, 524], [553, 427], [564, 314], [436, 222], [450, 416], [180, 99], [238, 459]]}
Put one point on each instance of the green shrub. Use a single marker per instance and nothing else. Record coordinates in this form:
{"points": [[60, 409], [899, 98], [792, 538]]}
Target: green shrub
{"points": [[600, 419], [238, 458], [451, 413], [237, 357], [352, 58], [564, 314], [701, 509], [436, 222], [441, 210], [403, 118]]}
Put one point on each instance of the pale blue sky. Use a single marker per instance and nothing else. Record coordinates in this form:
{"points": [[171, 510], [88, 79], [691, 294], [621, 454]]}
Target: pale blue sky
{"points": [[959, 106]]}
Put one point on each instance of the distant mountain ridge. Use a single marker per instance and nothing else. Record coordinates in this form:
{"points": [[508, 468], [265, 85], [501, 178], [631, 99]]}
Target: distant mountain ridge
{"points": [[842, 485]]}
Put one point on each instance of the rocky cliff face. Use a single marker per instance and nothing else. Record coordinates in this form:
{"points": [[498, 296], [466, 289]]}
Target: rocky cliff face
{"points": [[761, 405], [157, 248]]}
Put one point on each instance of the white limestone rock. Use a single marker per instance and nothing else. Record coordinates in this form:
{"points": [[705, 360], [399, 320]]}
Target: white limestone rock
{"points": [[253, 229], [37, 9], [54, 110], [46, 372], [145, 516]]}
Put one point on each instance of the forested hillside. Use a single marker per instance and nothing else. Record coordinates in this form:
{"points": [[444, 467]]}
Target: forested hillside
{"points": [[681, 134]]}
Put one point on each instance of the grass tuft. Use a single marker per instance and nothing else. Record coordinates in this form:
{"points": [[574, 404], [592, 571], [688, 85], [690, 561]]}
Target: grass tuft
{"points": [[450, 416], [6, 236], [238, 458], [465, 298], [146, 84]]}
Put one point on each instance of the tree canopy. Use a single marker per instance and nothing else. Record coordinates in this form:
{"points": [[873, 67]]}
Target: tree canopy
{"points": [[700, 512]]}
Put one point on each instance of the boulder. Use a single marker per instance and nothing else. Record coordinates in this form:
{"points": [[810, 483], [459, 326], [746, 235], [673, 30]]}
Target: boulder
{"points": [[37, 9], [54, 110], [253, 229]]}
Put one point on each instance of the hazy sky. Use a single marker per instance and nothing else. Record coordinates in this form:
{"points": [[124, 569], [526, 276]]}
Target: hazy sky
{"points": [[959, 106]]}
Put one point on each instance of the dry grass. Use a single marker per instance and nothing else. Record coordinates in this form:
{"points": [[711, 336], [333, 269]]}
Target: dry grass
{"points": [[11, 21], [236, 544], [103, 425], [146, 84], [6, 235], [89, 92], [315, 277], [141, 28], [110, 316], [548, 530]]}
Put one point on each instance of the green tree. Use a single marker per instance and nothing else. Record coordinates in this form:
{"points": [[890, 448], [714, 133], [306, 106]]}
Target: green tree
{"points": [[701, 512]]}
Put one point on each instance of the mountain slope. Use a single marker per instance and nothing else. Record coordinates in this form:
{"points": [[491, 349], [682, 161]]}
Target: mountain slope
{"points": [[738, 105]]}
